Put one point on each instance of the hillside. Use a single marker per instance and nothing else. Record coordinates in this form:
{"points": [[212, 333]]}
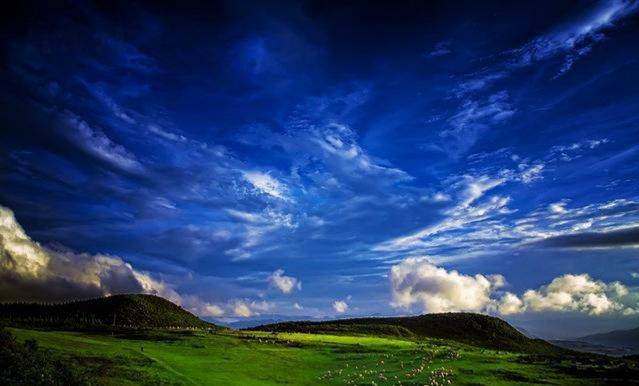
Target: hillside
{"points": [[473, 329], [117, 311], [626, 339]]}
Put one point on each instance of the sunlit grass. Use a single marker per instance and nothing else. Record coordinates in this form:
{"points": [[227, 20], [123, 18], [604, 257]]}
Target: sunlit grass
{"points": [[260, 358]]}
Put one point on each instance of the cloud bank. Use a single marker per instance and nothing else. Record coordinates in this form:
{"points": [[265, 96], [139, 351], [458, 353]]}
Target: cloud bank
{"points": [[32, 272], [416, 281]]}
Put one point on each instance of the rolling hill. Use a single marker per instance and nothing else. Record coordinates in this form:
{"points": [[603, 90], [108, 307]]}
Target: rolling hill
{"points": [[473, 329], [117, 311]]}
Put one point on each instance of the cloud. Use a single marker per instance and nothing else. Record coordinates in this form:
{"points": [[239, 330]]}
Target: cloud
{"points": [[286, 284], [340, 306], [244, 309], [337, 144], [627, 237], [201, 308], [574, 39], [96, 143], [417, 281], [469, 190], [32, 272], [328, 153], [530, 173], [241, 309], [578, 293], [574, 150], [557, 207], [442, 48], [265, 183], [474, 117], [437, 197], [480, 108], [297, 306]]}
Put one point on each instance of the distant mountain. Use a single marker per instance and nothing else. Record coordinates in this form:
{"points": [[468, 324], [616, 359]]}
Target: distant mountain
{"points": [[117, 311], [591, 348], [625, 339], [266, 319], [473, 329]]}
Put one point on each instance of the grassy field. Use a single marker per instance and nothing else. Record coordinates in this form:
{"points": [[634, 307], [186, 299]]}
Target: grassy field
{"points": [[259, 358]]}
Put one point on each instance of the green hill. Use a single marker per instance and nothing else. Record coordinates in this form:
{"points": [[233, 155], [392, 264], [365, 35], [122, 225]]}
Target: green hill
{"points": [[473, 329], [117, 311]]}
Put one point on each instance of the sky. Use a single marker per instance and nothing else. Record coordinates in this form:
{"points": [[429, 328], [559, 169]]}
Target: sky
{"points": [[309, 160]]}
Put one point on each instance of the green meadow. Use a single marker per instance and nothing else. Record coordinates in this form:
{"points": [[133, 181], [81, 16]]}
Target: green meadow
{"points": [[259, 358]]}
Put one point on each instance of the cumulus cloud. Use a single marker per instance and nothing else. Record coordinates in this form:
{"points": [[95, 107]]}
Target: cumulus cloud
{"points": [[580, 293], [340, 306], [286, 284], [267, 184], [32, 272], [417, 281], [242, 309]]}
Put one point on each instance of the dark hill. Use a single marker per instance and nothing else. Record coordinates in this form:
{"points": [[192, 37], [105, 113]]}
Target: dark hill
{"points": [[117, 311], [626, 339], [473, 329]]}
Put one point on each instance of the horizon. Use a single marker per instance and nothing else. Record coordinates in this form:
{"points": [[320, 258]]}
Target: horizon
{"points": [[270, 160]]}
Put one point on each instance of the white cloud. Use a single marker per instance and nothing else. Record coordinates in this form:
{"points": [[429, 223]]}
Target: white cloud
{"points": [[634, 275], [437, 197], [245, 309], [95, 142], [286, 284], [341, 151], [258, 226], [574, 150], [267, 184], [557, 207], [575, 39], [470, 189], [242, 310], [201, 308], [262, 306], [245, 216], [530, 173], [297, 306], [340, 306], [475, 116], [579, 293], [417, 281]]}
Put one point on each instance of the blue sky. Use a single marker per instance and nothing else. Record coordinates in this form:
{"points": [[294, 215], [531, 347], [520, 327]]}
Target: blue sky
{"points": [[325, 160]]}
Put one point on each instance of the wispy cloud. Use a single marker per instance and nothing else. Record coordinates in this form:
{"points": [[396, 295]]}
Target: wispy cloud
{"points": [[575, 38], [267, 184], [96, 143]]}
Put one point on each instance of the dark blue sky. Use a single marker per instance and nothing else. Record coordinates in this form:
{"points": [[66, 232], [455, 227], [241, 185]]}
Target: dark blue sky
{"points": [[321, 159]]}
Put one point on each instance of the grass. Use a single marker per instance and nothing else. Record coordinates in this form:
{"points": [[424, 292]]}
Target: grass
{"points": [[261, 358]]}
